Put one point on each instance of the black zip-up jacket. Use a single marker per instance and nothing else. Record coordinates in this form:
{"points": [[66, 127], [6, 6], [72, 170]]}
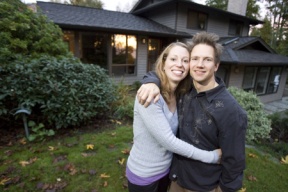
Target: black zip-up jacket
{"points": [[210, 120]]}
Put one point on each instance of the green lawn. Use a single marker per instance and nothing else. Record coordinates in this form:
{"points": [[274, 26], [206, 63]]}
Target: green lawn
{"points": [[95, 161]]}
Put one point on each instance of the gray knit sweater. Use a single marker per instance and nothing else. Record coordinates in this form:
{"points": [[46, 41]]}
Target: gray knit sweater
{"points": [[154, 130]]}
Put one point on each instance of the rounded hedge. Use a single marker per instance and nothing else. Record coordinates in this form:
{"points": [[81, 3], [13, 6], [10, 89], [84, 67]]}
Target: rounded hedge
{"points": [[259, 125], [59, 92]]}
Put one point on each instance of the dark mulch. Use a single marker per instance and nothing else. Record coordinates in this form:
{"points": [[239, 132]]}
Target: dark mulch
{"points": [[14, 131]]}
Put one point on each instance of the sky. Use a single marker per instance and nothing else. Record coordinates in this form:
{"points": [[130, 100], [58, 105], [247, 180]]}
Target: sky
{"points": [[111, 4]]}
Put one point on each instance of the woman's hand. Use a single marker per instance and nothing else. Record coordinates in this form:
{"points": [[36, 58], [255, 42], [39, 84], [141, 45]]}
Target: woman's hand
{"points": [[147, 92]]}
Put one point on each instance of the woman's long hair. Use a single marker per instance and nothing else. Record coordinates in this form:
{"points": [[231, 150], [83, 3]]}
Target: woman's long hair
{"points": [[183, 86]]}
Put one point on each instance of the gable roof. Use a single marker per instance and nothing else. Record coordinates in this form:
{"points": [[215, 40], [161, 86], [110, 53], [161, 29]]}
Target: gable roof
{"points": [[70, 16], [249, 51], [143, 6]]}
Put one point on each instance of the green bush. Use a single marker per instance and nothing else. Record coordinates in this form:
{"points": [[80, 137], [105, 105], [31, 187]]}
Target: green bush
{"points": [[59, 92], [27, 34], [279, 125], [123, 107], [259, 125]]}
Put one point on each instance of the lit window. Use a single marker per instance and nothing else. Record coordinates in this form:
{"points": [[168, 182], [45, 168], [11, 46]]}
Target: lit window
{"points": [[123, 54]]}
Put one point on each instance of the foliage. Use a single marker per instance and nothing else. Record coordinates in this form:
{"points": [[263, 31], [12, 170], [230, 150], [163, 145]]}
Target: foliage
{"points": [[252, 10], [265, 32], [259, 126], [277, 14], [60, 92], [279, 126], [124, 104], [38, 131], [27, 34], [87, 3]]}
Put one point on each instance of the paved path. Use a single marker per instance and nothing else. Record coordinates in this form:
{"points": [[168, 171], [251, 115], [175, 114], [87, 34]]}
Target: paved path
{"points": [[277, 106]]}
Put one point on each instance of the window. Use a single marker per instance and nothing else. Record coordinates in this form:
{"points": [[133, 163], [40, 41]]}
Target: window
{"points": [[197, 20], [153, 53], [261, 80], [94, 49], [235, 27], [123, 54]]}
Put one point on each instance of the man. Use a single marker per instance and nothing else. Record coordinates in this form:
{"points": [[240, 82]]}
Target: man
{"points": [[209, 118]]}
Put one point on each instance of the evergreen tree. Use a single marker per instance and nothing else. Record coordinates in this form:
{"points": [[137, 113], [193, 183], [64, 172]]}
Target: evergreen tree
{"points": [[25, 33], [265, 31]]}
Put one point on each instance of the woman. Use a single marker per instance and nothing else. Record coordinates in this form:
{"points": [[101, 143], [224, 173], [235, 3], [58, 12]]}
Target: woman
{"points": [[154, 127]]}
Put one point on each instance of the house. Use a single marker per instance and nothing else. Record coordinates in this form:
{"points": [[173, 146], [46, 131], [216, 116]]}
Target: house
{"points": [[127, 44]]}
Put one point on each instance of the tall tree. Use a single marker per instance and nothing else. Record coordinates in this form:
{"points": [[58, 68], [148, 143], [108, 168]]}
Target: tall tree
{"points": [[252, 10], [87, 3], [265, 32], [278, 14]]}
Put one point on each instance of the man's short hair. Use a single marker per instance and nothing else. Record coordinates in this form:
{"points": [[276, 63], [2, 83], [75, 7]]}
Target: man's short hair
{"points": [[208, 39]]}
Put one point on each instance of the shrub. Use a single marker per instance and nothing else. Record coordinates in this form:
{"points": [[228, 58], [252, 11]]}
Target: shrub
{"points": [[279, 125], [259, 126], [123, 106], [59, 92]]}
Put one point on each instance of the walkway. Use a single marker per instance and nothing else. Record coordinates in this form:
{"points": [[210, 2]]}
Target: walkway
{"points": [[277, 106]]}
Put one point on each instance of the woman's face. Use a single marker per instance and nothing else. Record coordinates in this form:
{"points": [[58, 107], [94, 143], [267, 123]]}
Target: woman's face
{"points": [[176, 66]]}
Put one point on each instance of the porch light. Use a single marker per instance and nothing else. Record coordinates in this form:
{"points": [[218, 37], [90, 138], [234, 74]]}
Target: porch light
{"points": [[143, 40]]}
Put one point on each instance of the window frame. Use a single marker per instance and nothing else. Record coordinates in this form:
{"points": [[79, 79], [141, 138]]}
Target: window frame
{"points": [[235, 31], [127, 66], [193, 20], [258, 83]]}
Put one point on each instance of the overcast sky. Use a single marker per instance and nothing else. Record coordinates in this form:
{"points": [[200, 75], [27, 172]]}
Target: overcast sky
{"points": [[110, 4]]}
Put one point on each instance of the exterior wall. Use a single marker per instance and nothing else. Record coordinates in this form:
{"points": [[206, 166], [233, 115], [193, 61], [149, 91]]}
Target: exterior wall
{"points": [[165, 16], [141, 68], [218, 24], [279, 94], [236, 76]]}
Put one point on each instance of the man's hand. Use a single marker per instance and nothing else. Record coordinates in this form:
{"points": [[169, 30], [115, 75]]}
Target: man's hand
{"points": [[147, 92]]}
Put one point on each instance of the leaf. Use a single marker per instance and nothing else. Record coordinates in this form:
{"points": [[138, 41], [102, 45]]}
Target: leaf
{"points": [[252, 155], [23, 141], [51, 148], [105, 184], [103, 175], [4, 181], [90, 146], [126, 151], [252, 178], [113, 134], [24, 163], [121, 161], [284, 160], [242, 190]]}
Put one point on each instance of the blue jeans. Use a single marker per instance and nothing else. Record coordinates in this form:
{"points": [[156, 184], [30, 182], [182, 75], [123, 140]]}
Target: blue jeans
{"points": [[160, 185]]}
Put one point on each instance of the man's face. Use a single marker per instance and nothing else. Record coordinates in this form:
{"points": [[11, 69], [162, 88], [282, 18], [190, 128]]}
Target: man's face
{"points": [[202, 64]]}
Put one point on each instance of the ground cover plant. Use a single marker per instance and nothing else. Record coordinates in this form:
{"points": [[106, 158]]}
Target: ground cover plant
{"points": [[94, 159]]}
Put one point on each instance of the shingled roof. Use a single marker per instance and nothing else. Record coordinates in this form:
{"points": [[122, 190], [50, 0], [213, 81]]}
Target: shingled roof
{"points": [[79, 17], [249, 51]]}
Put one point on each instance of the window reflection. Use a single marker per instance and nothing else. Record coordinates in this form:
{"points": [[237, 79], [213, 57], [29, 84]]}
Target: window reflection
{"points": [[123, 54], [262, 80]]}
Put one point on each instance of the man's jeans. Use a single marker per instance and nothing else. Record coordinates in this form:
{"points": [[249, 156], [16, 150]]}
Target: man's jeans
{"points": [[176, 188]]}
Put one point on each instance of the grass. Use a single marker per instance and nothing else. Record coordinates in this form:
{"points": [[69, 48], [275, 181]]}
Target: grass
{"points": [[65, 164], [78, 162]]}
